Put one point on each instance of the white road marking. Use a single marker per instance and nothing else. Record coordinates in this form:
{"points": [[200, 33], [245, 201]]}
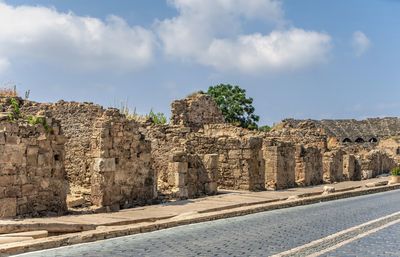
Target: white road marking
{"points": [[339, 234]]}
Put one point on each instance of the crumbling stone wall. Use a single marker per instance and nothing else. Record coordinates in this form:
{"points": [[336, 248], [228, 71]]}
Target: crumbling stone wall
{"points": [[107, 157], [195, 111], [351, 168], [279, 164], [374, 163], [121, 175], [309, 168], [77, 121], [32, 175], [333, 166]]}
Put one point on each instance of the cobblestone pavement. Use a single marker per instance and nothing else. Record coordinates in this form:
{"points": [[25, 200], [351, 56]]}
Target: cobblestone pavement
{"points": [[382, 243], [260, 234]]}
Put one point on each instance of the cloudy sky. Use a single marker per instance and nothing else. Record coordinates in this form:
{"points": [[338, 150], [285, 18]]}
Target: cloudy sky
{"points": [[300, 59]]}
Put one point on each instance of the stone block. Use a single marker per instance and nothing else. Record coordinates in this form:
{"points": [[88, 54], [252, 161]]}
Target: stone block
{"points": [[104, 164], [8, 207]]}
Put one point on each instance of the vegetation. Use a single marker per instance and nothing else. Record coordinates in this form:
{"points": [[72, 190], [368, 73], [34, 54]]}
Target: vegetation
{"points": [[396, 171], [264, 128], [235, 106], [15, 110], [36, 120], [8, 92], [158, 118]]}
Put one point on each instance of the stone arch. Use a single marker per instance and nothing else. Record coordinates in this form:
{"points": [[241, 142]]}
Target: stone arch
{"points": [[359, 140], [346, 140], [373, 140]]}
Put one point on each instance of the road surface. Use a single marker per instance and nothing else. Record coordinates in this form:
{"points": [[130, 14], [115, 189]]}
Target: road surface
{"points": [[361, 226]]}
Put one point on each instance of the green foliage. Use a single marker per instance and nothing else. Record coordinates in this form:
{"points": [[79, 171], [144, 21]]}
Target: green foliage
{"points": [[36, 120], [15, 110], [158, 118], [396, 171], [264, 128], [235, 106]]}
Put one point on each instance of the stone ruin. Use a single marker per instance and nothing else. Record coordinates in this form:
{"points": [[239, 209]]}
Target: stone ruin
{"points": [[100, 160]]}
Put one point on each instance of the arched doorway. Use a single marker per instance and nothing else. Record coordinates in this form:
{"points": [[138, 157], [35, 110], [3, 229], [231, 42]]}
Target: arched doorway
{"points": [[360, 140]]}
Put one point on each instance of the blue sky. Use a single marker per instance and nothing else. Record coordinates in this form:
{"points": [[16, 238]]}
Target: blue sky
{"points": [[300, 59]]}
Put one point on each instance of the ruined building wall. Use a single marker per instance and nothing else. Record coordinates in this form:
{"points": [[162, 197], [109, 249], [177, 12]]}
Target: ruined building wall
{"points": [[195, 111], [106, 155], [374, 163], [121, 175], [279, 164], [309, 167], [32, 175], [77, 121], [351, 168]]}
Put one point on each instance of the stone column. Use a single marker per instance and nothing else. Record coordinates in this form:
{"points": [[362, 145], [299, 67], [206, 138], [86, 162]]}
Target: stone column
{"points": [[177, 170], [211, 165], [279, 165]]}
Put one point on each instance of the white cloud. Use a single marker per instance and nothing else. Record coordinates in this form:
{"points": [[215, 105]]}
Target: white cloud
{"points": [[210, 32], [360, 42], [4, 65], [42, 34], [280, 50]]}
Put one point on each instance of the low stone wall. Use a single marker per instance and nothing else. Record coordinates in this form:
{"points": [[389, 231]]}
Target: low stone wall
{"points": [[279, 165], [309, 167], [32, 175], [333, 166]]}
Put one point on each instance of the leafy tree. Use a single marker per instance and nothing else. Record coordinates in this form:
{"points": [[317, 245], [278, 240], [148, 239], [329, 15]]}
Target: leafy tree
{"points": [[235, 106], [264, 128]]}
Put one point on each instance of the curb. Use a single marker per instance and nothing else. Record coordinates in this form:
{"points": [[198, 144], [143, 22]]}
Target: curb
{"points": [[102, 233]]}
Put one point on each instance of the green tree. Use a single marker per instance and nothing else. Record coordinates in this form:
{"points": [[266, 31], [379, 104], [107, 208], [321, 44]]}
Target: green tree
{"points": [[235, 106]]}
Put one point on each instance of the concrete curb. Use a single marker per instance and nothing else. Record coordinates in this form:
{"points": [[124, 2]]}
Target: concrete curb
{"points": [[102, 233]]}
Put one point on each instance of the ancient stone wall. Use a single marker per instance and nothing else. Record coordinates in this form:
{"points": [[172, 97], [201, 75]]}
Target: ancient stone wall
{"points": [[333, 166], [192, 176], [351, 168], [121, 175], [107, 158], [374, 163], [279, 164], [309, 168], [241, 164], [32, 175], [195, 111], [77, 121]]}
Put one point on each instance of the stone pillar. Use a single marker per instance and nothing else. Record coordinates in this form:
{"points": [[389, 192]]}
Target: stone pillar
{"points": [[351, 168], [102, 180], [279, 165], [333, 166], [177, 170], [210, 162], [308, 166]]}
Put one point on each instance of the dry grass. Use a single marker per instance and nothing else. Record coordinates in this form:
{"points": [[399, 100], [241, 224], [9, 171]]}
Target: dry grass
{"points": [[8, 92]]}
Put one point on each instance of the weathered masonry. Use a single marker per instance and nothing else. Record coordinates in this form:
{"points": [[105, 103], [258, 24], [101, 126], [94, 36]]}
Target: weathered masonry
{"points": [[105, 161], [32, 175]]}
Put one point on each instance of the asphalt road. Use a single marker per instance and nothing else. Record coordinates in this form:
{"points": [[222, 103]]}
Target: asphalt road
{"points": [[261, 234]]}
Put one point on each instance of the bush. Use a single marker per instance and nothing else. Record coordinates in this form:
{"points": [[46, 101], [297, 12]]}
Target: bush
{"points": [[15, 110], [158, 118], [265, 128], [396, 171]]}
